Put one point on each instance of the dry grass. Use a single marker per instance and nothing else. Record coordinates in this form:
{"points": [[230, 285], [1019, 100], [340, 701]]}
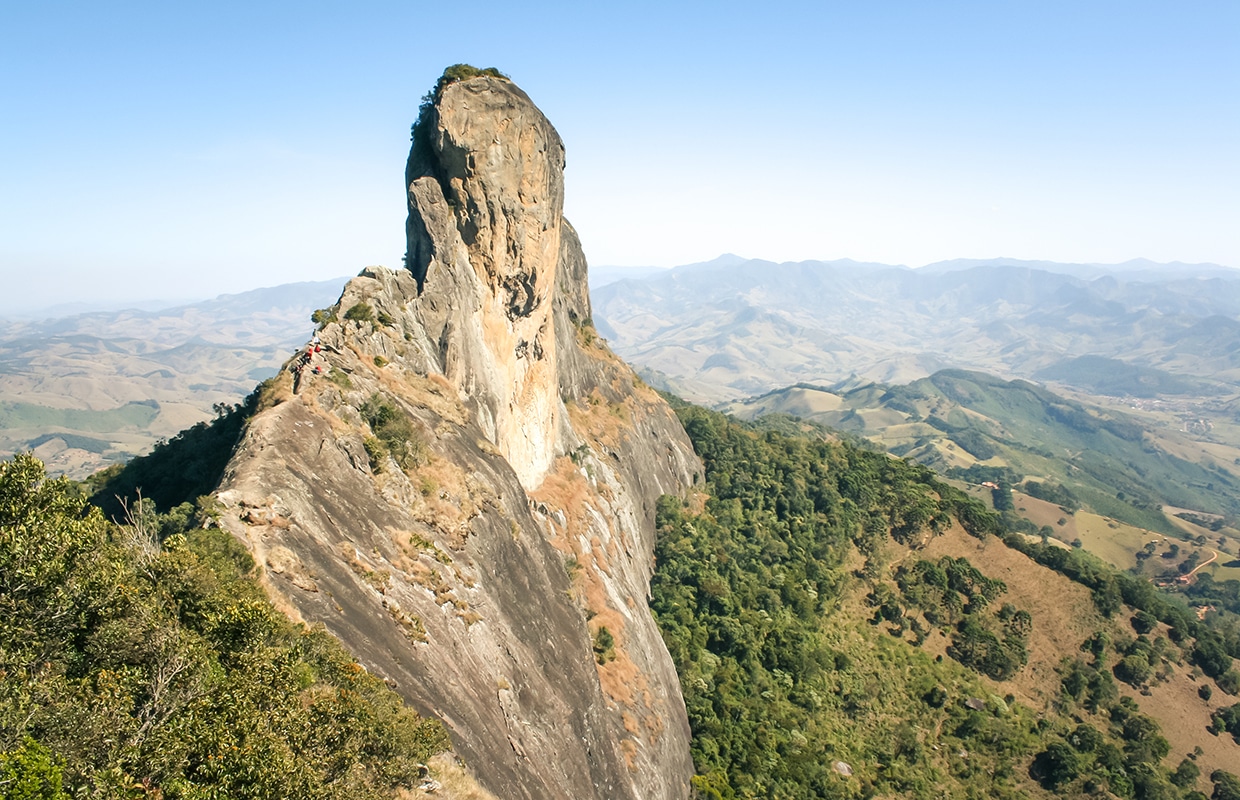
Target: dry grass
{"points": [[1064, 616], [1114, 542], [1040, 513], [1183, 717], [1063, 611], [623, 683], [275, 391], [449, 498], [564, 489], [340, 426], [455, 780], [377, 579], [601, 421], [410, 625], [432, 392]]}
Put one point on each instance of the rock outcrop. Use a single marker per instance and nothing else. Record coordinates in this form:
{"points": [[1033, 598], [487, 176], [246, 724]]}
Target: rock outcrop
{"points": [[461, 482]]}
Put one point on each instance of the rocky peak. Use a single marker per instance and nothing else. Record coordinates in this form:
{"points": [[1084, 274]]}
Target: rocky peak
{"points": [[459, 479], [486, 190]]}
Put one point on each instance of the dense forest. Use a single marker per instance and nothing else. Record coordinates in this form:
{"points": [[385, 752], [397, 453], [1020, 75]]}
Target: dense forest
{"points": [[144, 661], [796, 637]]}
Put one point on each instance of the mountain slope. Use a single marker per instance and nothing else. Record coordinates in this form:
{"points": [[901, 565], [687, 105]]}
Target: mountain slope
{"points": [[956, 418], [857, 631], [461, 483]]}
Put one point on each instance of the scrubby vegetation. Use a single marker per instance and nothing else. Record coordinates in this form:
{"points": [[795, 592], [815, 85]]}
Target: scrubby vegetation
{"points": [[419, 133], [393, 434], [463, 72], [144, 661], [763, 598], [360, 312]]}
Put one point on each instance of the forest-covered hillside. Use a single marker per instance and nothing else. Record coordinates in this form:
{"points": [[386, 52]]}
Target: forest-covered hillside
{"points": [[144, 661], [802, 619]]}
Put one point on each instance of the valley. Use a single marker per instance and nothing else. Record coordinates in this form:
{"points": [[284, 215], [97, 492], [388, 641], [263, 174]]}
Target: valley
{"points": [[93, 389]]}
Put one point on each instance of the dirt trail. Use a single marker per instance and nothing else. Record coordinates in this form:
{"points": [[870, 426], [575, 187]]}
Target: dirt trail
{"points": [[1211, 560]]}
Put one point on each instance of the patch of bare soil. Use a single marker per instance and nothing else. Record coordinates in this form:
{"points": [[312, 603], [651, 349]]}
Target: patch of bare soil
{"points": [[1041, 512]]}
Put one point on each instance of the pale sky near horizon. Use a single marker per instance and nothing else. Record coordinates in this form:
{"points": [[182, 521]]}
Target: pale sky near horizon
{"points": [[180, 150]]}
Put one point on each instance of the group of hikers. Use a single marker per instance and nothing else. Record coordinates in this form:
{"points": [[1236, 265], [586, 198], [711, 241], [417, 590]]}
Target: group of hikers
{"points": [[306, 361]]}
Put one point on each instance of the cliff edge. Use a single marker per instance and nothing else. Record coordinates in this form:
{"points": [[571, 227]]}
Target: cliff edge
{"points": [[458, 478]]}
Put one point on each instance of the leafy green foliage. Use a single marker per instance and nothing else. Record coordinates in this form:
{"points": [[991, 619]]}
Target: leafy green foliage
{"points": [[360, 312], [131, 668], [31, 772], [604, 645], [1052, 493], [1227, 720], [953, 595], [742, 595], [1226, 785], [463, 72]]}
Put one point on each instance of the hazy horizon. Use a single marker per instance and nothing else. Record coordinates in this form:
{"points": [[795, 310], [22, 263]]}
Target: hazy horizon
{"points": [[175, 151], [15, 310]]}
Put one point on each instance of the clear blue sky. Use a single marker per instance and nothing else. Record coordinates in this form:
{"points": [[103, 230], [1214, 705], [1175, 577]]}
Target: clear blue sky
{"points": [[182, 150]]}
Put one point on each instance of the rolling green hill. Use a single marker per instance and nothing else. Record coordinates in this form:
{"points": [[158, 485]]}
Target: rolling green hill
{"points": [[1116, 464]]}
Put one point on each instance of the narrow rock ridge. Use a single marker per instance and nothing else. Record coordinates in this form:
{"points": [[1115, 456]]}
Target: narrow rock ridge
{"points": [[473, 556]]}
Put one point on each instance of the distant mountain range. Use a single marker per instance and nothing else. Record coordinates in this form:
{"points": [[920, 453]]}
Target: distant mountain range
{"points": [[734, 327], [90, 389]]}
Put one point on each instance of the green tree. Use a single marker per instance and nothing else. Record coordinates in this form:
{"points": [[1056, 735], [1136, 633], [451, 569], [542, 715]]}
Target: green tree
{"points": [[1186, 774], [1134, 670], [31, 772], [1144, 622], [1057, 765], [1226, 785], [360, 312]]}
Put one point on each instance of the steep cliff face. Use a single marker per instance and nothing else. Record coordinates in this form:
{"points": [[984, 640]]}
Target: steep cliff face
{"points": [[461, 483]]}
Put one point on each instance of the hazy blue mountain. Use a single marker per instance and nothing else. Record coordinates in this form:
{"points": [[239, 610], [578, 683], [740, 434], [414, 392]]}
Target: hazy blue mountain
{"points": [[731, 327]]}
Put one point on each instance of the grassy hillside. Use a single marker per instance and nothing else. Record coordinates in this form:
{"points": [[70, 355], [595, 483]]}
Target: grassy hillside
{"points": [[837, 635]]}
